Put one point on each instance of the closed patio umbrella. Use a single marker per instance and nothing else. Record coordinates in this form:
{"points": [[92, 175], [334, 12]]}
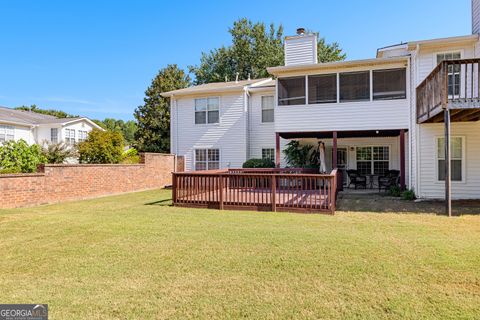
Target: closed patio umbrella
{"points": [[323, 167]]}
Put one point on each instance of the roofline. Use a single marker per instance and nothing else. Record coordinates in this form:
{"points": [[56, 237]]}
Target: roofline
{"points": [[170, 94], [336, 64], [18, 123], [467, 38], [80, 119]]}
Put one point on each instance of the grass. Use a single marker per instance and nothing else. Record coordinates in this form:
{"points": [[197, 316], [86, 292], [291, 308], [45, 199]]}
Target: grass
{"points": [[135, 257]]}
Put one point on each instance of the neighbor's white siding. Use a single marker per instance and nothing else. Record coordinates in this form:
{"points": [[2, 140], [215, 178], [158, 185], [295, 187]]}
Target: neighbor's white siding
{"points": [[229, 135], [430, 187], [262, 135], [21, 132], [301, 50], [475, 16]]}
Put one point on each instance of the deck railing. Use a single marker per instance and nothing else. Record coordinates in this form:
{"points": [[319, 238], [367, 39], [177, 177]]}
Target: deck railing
{"points": [[257, 189], [453, 83]]}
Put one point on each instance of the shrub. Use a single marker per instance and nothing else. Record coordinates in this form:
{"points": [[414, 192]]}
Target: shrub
{"points": [[258, 163], [395, 191], [408, 195], [301, 156], [19, 157], [58, 152], [130, 156], [101, 147]]}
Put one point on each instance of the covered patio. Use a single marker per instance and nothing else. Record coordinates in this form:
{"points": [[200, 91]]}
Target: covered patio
{"points": [[371, 153]]}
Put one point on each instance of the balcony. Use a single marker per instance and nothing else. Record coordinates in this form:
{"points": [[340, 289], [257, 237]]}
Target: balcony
{"points": [[453, 85]]}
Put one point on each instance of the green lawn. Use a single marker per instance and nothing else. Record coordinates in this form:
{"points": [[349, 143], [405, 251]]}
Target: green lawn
{"points": [[135, 257]]}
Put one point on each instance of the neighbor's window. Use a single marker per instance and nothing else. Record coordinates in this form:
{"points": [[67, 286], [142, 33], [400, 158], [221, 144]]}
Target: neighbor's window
{"points": [[82, 135], [207, 159], [268, 154], [389, 84], [7, 133], [322, 88], [456, 164], [453, 72], [54, 135], [373, 160], [267, 109], [70, 136], [355, 86], [207, 110], [291, 91]]}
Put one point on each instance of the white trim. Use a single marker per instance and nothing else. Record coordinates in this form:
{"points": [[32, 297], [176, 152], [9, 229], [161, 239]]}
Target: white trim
{"points": [[206, 111], [389, 146], [464, 166], [194, 157], [261, 109]]}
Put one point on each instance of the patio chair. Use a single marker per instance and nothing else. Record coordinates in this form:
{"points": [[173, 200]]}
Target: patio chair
{"points": [[388, 180], [356, 179]]}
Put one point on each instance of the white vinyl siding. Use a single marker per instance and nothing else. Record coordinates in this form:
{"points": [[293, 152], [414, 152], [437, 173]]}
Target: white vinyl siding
{"points": [[7, 133], [229, 135], [301, 50], [261, 134]]}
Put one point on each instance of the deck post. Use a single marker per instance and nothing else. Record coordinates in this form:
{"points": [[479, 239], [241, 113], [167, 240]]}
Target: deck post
{"points": [[448, 190], [277, 150], [220, 195], [402, 159], [274, 192], [334, 151], [174, 188]]}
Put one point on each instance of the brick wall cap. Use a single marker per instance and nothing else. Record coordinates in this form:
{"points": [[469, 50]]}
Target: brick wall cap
{"points": [[21, 175]]}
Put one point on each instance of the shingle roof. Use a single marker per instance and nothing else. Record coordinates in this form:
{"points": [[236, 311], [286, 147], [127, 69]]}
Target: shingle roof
{"points": [[31, 118], [215, 87]]}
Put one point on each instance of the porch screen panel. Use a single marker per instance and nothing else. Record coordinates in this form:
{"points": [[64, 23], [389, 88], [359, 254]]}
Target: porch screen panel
{"points": [[291, 91], [389, 84], [355, 86], [322, 88]]}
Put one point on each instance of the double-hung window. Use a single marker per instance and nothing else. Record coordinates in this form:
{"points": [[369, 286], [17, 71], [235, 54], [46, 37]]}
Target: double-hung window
{"points": [[453, 72], [322, 88], [373, 160], [207, 110], [355, 86], [456, 164], [82, 135], [70, 136], [207, 159], [7, 133], [291, 91], [267, 109], [54, 135], [389, 84], [268, 154]]}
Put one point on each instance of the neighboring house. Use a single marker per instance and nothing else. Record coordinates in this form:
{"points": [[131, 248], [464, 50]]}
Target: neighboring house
{"points": [[36, 128], [373, 114]]}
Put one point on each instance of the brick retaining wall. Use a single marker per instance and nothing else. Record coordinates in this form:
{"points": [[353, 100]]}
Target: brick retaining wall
{"points": [[57, 183]]}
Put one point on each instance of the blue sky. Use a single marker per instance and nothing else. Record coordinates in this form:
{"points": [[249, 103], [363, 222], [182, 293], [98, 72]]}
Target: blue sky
{"points": [[96, 58]]}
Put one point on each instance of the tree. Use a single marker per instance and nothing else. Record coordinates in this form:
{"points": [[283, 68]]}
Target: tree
{"points": [[101, 147], [153, 118], [126, 128], [50, 112], [57, 152], [254, 48]]}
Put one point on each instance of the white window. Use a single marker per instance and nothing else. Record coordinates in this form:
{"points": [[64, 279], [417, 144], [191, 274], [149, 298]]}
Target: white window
{"points": [[70, 136], [268, 154], [207, 110], [54, 135], [267, 109], [7, 133], [373, 160], [207, 159], [82, 135], [456, 164], [453, 72]]}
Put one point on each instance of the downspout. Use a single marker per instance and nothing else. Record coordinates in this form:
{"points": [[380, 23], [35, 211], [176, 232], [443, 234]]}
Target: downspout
{"points": [[246, 104], [418, 190], [410, 128]]}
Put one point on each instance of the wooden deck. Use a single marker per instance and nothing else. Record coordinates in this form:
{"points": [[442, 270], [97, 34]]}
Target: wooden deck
{"points": [[462, 99], [293, 190]]}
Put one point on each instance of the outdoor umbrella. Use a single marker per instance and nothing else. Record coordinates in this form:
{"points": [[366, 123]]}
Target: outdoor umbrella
{"points": [[323, 168]]}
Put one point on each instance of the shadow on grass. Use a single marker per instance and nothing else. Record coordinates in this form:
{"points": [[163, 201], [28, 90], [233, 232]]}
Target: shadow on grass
{"points": [[161, 203], [379, 203]]}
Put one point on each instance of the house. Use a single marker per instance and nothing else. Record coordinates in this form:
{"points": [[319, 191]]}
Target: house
{"points": [[36, 128], [378, 114]]}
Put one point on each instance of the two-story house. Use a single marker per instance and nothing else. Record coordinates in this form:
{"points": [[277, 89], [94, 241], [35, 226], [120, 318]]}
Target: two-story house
{"points": [[388, 112], [36, 128]]}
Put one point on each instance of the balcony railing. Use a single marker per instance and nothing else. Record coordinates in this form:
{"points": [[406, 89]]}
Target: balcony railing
{"points": [[454, 84]]}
